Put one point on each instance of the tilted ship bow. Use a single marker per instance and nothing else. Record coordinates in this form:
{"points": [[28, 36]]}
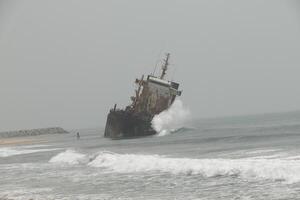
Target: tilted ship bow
{"points": [[153, 95]]}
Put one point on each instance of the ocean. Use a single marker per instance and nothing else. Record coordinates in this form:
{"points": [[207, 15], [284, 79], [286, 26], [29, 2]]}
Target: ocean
{"points": [[243, 157]]}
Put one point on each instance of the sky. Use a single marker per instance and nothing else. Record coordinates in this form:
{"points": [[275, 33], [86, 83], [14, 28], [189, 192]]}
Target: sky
{"points": [[65, 63]]}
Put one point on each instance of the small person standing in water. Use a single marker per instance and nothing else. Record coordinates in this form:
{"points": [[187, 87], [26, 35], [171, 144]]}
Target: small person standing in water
{"points": [[78, 136]]}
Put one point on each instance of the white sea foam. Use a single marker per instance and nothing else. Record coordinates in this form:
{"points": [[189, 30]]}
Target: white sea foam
{"points": [[277, 169], [170, 119], [261, 151], [12, 151], [70, 157], [272, 169], [297, 157], [279, 155]]}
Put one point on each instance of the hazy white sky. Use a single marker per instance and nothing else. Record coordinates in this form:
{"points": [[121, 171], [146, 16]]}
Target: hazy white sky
{"points": [[65, 63]]}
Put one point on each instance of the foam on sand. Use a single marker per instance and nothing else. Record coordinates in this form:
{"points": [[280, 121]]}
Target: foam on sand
{"points": [[170, 119], [12, 151]]}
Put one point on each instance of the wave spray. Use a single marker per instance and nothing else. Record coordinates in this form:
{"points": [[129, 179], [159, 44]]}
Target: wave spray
{"points": [[171, 119]]}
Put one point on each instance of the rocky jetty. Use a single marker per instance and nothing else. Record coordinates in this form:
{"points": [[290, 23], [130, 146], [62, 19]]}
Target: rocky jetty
{"points": [[32, 132]]}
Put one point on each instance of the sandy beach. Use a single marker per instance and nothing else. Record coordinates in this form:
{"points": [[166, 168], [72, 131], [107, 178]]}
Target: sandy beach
{"points": [[18, 140]]}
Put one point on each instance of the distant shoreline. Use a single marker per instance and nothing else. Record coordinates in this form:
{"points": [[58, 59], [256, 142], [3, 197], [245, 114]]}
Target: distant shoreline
{"points": [[32, 132]]}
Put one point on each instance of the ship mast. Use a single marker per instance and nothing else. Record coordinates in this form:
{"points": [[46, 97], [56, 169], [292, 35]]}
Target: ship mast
{"points": [[135, 98], [165, 66]]}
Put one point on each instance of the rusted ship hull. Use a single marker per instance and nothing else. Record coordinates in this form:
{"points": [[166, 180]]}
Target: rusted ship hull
{"points": [[122, 124]]}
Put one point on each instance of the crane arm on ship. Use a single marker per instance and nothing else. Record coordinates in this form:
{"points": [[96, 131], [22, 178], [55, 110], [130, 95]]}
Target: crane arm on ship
{"points": [[165, 66]]}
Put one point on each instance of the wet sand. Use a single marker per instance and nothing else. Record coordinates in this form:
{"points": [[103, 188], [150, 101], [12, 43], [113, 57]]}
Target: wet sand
{"points": [[19, 140]]}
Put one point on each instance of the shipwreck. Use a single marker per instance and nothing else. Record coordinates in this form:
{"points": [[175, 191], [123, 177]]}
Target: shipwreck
{"points": [[153, 95]]}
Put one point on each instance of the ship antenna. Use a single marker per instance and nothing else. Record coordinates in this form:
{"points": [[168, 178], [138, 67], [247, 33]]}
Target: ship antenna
{"points": [[165, 66]]}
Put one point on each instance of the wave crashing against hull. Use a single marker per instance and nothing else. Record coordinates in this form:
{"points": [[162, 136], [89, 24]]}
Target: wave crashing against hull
{"points": [[171, 119]]}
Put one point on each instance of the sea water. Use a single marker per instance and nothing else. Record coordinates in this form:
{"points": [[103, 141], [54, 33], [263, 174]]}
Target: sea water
{"points": [[245, 157]]}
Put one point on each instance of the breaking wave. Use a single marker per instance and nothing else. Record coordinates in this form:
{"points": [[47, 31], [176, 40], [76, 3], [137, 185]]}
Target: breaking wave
{"points": [[69, 157], [171, 119], [286, 170]]}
